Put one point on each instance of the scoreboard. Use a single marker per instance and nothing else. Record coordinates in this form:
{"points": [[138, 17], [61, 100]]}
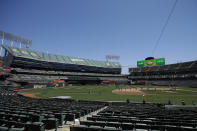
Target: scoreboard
{"points": [[152, 62]]}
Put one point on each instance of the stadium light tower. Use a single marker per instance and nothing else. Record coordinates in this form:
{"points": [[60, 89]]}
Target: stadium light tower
{"points": [[13, 38]]}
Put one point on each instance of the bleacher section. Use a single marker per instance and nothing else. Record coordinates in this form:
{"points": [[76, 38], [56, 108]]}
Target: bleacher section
{"points": [[35, 67], [178, 83], [3, 74], [185, 66], [34, 78], [180, 74], [142, 117], [44, 76], [36, 71], [23, 58], [19, 113]]}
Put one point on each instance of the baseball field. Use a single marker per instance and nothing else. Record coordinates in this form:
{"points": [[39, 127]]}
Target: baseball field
{"points": [[135, 93]]}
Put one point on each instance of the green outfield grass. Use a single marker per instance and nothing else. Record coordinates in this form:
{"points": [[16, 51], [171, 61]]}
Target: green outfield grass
{"points": [[104, 93]]}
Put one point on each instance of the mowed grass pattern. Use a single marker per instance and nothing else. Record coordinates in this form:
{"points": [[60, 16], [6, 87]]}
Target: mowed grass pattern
{"points": [[104, 93]]}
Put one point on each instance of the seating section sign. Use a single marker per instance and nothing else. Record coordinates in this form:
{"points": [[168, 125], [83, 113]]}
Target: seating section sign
{"points": [[153, 62]]}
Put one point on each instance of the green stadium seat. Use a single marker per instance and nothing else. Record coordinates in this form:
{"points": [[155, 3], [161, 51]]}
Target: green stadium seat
{"points": [[110, 129], [2, 115], [142, 126], [127, 126], [87, 123], [17, 129], [70, 117], [15, 117], [158, 127], [100, 123], [3, 128], [36, 118], [94, 128], [51, 123], [60, 118], [79, 128], [24, 118], [113, 124], [50, 116], [36, 126]]}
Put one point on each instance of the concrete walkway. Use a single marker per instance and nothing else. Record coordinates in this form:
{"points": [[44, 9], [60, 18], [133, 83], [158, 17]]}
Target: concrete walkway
{"points": [[66, 126]]}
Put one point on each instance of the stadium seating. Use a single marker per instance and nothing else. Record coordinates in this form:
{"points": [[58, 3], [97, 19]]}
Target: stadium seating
{"points": [[35, 67], [3, 74], [36, 71], [184, 83], [44, 76], [182, 74], [141, 117], [17, 57], [19, 113], [170, 67]]}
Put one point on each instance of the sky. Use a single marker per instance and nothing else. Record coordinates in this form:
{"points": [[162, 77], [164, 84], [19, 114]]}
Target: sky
{"points": [[92, 29]]}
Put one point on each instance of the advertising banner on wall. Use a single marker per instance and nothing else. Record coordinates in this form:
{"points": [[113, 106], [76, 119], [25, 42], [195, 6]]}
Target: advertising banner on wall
{"points": [[153, 62]]}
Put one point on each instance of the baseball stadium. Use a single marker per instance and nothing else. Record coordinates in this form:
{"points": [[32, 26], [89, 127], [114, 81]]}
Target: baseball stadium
{"points": [[42, 91]]}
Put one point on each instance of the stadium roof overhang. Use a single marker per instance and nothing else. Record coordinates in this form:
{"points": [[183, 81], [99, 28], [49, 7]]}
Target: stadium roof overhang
{"points": [[25, 53]]}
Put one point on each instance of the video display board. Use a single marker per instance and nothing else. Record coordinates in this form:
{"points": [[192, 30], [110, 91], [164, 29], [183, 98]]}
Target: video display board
{"points": [[153, 62]]}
